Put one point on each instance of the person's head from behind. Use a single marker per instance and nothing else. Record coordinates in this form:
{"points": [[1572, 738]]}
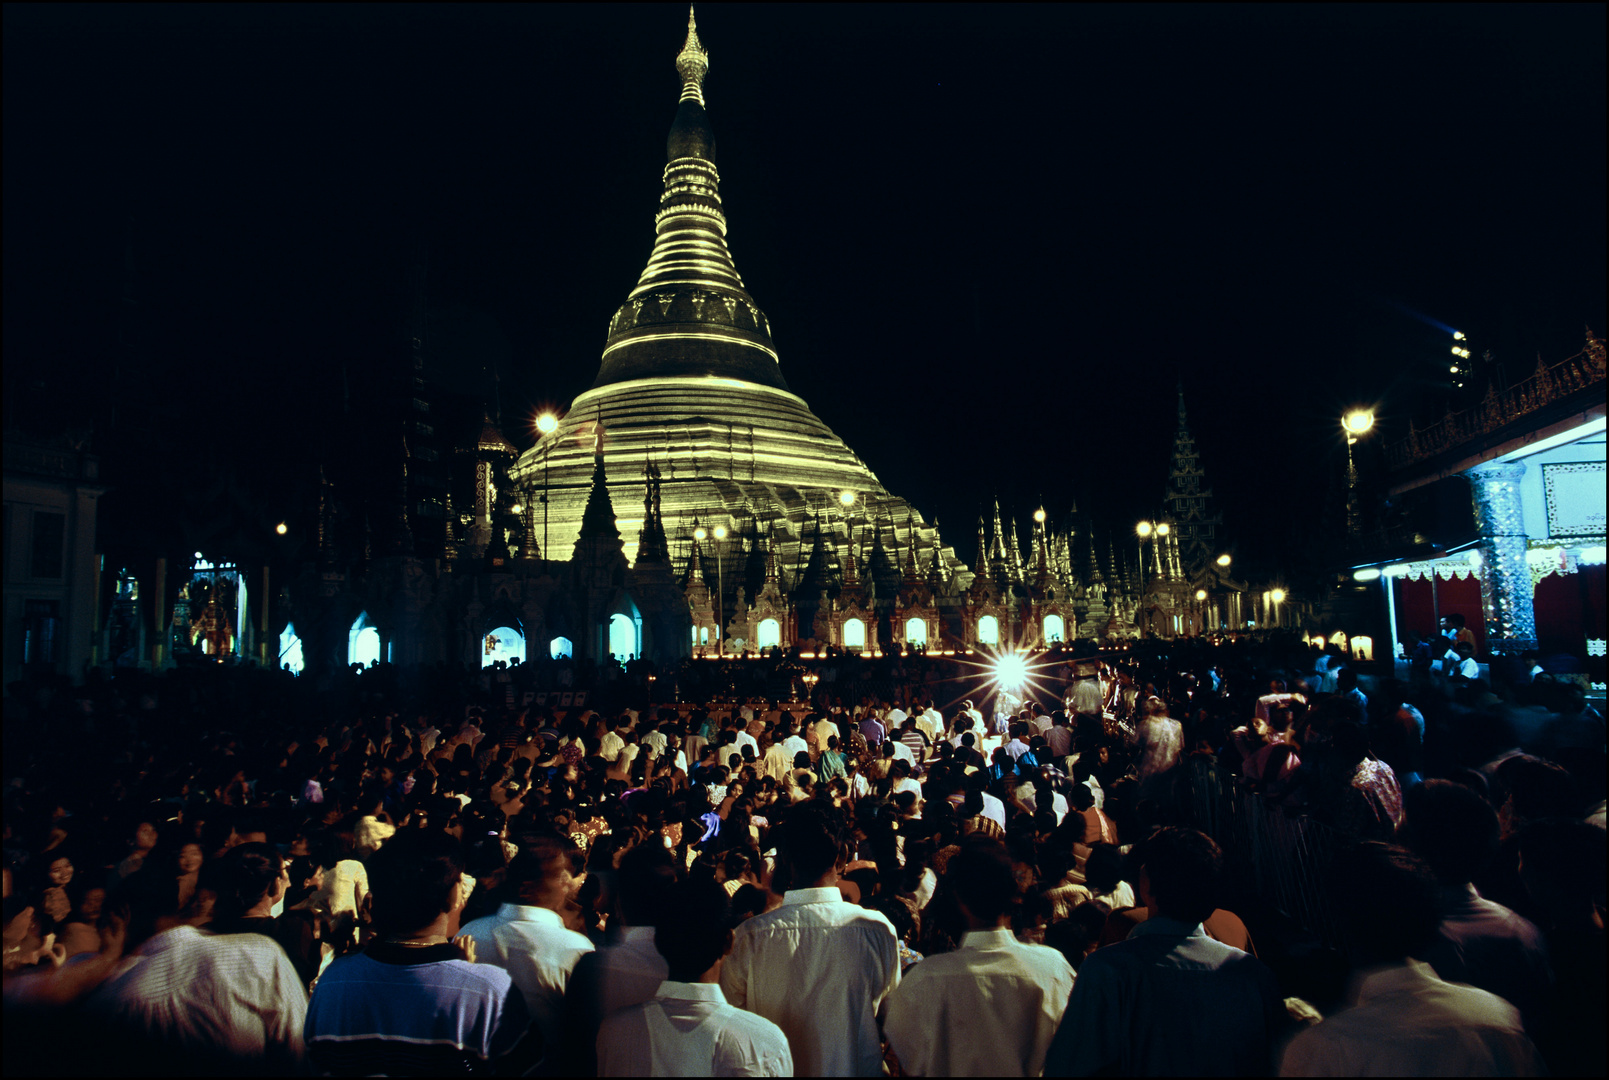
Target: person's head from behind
{"points": [[1103, 869], [807, 850], [1562, 866], [1386, 897], [249, 876], [693, 929], [1179, 868], [983, 881], [646, 876], [542, 874], [1450, 827], [1535, 789], [415, 879]]}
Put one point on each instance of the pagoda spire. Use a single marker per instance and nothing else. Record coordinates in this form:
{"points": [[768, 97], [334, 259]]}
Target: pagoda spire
{"points": [[690, 315], [693, 62], [599, 517]]}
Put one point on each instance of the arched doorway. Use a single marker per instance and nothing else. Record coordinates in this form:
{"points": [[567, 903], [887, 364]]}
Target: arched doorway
{"points": [[290, 650], [623, 642], [854, 634], [362, 642], [916, 631], [988, 630], [1055, 629], [504, 643], [561, 648], [768, 633]]}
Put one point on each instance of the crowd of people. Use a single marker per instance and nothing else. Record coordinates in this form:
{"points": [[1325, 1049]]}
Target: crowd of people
{"points": [[225, 870]]}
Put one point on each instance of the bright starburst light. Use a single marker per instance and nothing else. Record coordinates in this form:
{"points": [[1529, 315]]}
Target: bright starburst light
{"points": [[1010, 671]]}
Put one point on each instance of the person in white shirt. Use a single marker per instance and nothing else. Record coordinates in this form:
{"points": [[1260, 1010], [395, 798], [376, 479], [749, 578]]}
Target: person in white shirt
{"points": [[1407, 1020], [818, 967], [619, 976], [826, 729], [611, 744], [197, 1003], [687, 1027], [991, 1007], [529, 940], [794, 744], [655, 738]]}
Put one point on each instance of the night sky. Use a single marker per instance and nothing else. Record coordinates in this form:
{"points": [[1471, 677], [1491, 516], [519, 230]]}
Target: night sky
{"points": [[990, 239]]}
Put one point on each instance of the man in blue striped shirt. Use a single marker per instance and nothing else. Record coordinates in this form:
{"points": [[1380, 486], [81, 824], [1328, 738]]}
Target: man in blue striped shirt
{"points": [[413, 1003]]}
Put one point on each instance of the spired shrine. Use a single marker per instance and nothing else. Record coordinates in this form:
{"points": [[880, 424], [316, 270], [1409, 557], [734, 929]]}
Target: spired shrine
{"points": [[689, 503]]}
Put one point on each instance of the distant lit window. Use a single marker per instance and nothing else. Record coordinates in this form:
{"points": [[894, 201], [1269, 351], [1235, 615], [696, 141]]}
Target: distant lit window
{"points": [[770, 633], [703, 635], [915, 632], [1055, 629], [854, 634], [1362, 648], [290, 650], [504, 643], [561, 648], [988, 630]]}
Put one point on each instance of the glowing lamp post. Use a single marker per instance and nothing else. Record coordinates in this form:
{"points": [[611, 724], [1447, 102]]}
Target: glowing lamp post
{"points": [[701, 533], [1224, 561], [281, 529], [1356, 424], [547, 424], [1278, 597]]}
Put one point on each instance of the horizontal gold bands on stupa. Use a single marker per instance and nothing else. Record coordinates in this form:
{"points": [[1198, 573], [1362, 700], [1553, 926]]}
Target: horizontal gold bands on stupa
{"points": [[641, 337]]}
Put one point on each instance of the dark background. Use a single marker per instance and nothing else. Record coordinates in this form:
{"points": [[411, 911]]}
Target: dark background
{"points": [[991, 239]]}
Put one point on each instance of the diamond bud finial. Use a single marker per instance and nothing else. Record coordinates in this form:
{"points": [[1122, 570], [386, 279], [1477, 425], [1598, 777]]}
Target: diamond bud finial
{"points": [[692, 62]]}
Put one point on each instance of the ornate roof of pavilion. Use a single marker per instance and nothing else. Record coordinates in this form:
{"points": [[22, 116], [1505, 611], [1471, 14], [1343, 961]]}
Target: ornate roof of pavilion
{"points": [[690, 314]]}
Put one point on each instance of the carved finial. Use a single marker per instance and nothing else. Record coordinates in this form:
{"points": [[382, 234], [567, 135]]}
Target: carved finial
{"points": [[693, 62]]}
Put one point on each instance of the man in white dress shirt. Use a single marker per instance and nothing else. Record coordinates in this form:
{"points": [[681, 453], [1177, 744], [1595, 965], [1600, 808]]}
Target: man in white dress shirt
{"points": [[818, 967], [529, 940], [191, 1003], [686, 1027], [626, 974], [991, 1007], [1407, 1020]]}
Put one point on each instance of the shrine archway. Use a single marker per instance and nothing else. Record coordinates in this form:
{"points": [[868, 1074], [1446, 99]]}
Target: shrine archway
{"points": [[768, 633], [503, 643], [362, 642], [854, 634], [988, 630]]}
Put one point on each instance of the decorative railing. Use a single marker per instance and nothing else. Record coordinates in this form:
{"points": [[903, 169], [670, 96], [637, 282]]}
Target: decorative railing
{"points": [[1546, 385]]}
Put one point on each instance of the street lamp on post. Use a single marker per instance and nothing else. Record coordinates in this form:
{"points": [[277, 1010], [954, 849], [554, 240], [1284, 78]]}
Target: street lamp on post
{"points": [[1143, 530], [1278, 597], [1356, 424], [546, 423]]}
